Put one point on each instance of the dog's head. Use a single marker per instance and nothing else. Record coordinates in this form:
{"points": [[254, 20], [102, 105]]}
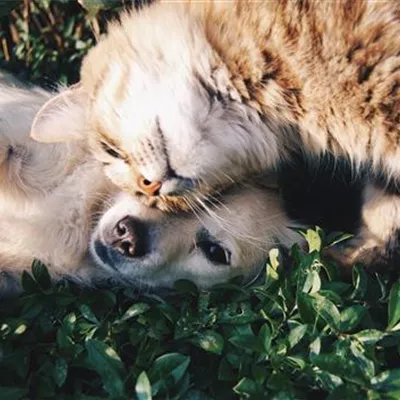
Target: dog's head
{"points": [[162, 114], [143, 246]]}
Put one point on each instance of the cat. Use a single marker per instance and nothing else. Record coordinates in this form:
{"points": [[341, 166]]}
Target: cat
{"points": [[219, 91]]}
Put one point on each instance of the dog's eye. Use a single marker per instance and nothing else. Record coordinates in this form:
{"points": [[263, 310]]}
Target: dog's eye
{"points": [[110, 151], [215, 253]]}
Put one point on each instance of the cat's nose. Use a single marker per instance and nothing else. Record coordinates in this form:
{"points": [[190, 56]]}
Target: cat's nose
{"points": [[150, 188], [165, 185]]}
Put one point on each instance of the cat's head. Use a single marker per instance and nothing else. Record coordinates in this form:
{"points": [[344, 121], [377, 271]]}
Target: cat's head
{"points": [[161, 112]]}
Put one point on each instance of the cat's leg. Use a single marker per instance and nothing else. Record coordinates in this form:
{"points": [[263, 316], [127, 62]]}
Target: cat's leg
{"points": [[376, 245]]}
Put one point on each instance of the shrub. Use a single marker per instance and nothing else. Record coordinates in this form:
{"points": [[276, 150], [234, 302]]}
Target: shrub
{"points": [[302, 333]]}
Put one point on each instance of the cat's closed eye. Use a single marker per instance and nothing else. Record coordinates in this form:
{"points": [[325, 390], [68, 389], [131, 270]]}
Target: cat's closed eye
{"points": [[111, 151]]}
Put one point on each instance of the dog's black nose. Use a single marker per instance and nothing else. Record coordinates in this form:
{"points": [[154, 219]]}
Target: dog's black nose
{"points": [[129, 237]]}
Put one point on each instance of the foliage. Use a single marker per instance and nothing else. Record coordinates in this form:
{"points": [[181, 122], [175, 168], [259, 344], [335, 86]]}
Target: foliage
{"points": [[44, 41], [301, 333]]}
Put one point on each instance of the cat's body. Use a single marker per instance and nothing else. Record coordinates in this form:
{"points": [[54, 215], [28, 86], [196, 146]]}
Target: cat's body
{"points": [[235, 84], [218, 91]]}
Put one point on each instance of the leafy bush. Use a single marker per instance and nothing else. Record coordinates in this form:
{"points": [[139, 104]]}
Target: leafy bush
{"points": [[44, 41], [302, 334]]}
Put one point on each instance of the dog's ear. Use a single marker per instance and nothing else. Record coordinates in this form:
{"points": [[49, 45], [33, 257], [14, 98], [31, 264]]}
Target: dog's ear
{"points": [[62, 118]]}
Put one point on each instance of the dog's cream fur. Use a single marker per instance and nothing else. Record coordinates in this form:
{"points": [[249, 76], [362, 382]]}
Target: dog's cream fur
{"points": [[48, 193], [51, 196]]}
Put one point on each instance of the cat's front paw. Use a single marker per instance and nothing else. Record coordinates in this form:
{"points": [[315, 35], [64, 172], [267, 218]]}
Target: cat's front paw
{"points": [[369, 252]]}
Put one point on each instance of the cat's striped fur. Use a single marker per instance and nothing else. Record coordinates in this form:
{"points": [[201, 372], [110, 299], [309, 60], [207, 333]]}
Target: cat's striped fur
{"points": [[198, 95]]}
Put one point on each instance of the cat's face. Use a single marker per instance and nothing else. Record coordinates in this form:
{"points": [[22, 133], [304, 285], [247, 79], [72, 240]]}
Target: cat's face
{"points": [[163, 116], [166, 137], [146, 247]]}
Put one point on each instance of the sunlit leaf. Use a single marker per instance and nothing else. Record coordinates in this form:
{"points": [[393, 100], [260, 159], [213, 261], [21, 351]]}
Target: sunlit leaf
{"points": [[394, 305], [143, 387], [209, 341]]}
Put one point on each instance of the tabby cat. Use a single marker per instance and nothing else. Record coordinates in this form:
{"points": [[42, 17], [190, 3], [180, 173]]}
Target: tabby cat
{"points": [[180, 100]]}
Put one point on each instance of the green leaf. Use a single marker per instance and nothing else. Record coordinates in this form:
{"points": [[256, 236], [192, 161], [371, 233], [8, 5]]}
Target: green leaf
{"points": [[394, 305], [60, 372], [69, 323], [28, 283], [271, 270], [64, 341], [315, 304], [248, 343], [265, 337], [351, 316], [390, 395], [134, 310], [143, 388], [209, 341], [168, 370], [360, 282], [338, 238], [248, 388], [313, 239], [306, 307], [94, 6], [387, 380], [369, 336], [12, 393], [238, 314], [41, 275], [296, 334], [273, 257], [225, 371], [327, 310], [312, 283], [340, 366], [295, 362], [106, 362], [360, 358], [19, 328], [346, 391], [328, 381], [88, 314]]}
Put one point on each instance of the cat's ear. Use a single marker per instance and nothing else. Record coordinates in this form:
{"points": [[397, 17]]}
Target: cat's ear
{"points": [[62, 118]]}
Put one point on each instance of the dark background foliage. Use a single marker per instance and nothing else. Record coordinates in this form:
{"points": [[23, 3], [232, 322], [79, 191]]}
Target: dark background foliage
{"points": [[44, 41]]}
